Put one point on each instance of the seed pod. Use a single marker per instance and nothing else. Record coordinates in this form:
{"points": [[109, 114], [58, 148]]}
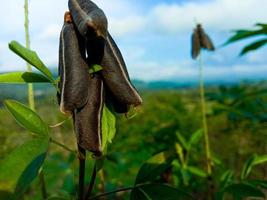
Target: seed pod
{"points": [[116, 77], [87, 120], [73, 71], [205, 40], [195, 44], [92, 24]]}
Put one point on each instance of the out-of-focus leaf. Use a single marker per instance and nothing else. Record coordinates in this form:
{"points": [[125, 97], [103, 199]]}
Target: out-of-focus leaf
{"points": [[253, 46], [197, 171], [258, 183], [95, 69], [182, 140], [247, 167], [31, 57], [23, 77], [61, 195], [226, 178], [158, 192], [154, 167], [196, 136], [259, 160], [108, 127], [244, 34], [26, 117], [240, 191], [21, 166]]}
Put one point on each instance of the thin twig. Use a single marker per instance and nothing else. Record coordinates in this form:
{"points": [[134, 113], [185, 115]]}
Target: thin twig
{"points": [[62, 146], [112, 192], [42, 183], [82, 157], [92, 183]]}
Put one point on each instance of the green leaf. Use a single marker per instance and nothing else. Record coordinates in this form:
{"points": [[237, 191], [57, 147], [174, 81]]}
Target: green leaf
{"points": [[95, 69], [258, 183], [154, 167], [158, 192], [196, 137], [247, 167], [241, 191], [197, 171], [21, 166], [108, 127], [31, 57], [253, 46], [23, 77], [182, 140], [26, 117], [244, 34], [259, 160], [226, 178]]}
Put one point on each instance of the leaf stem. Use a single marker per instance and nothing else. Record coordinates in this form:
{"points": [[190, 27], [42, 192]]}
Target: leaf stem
{"points": [[42, 182], [62, 146]]}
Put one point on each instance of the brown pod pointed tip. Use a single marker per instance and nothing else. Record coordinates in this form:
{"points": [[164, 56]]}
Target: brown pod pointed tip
{"points": [[68, 17]]}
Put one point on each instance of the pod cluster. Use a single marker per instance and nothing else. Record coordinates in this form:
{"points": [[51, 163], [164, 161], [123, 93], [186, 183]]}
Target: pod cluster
{"points": [[200, 40], [85, 42]]}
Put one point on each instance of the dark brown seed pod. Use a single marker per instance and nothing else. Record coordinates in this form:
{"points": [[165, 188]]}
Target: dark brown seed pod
{"points": [[87, 120], [205, 40], [89, 18], [116, 77], [195, 45], [73, 71]]}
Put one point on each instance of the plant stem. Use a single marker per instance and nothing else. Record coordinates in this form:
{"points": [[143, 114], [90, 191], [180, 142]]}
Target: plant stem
{"points": [[62, 146], [29, 68], [30, 87], [92, 183], [112, 192], [204, 118], [82, 157]]}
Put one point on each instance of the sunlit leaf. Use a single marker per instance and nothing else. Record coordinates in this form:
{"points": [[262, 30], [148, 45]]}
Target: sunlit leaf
{"points": [[158, 192], [26, 117], [108, 127], [197, 171], [21, 166], [23, 77], [31, 57], [95, 69], [253, 46], [154, 167], [182, 140], [259, 159]]}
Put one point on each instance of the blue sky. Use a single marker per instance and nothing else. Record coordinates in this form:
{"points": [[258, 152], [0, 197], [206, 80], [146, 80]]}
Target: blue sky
{"points": [[153, 35]]}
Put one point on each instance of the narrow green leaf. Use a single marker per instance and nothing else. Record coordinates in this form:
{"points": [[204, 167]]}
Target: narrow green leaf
{"points": [[26, 117], [108, 127], [253, 46], [226, 178], [243, 191], [258, 183], [31, 57], [21, 166], [158, 192], [196, 137], [244, 34], [23, 77], [182, 140], [95, 69], [259, 160], [247, 167], [197, 171], [154, 167]]}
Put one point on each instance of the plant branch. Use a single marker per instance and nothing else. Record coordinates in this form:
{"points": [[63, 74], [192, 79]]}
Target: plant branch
{"points": [[112, 192], [62, 146], [82, 157], [92, 183]]}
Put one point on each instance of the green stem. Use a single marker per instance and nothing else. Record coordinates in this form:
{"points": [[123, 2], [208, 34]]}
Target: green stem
{"points": [[92, 183], [62, 146], [30, 88], [204, 118]]}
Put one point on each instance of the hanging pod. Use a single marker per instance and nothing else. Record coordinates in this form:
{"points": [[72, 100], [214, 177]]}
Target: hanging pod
{"points": [[116, 77], [195, 44], [73, 70], [87, 120], [92, 24]]}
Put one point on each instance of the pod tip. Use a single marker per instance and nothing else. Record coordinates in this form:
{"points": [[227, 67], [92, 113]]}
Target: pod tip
{"points": [[67, 17]]}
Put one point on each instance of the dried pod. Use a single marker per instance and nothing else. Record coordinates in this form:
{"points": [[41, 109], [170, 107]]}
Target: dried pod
{"points": [[92, 24], [73, 71], [195, 44], [205, 40], [200, 40], [116, 77], [87, 120]]}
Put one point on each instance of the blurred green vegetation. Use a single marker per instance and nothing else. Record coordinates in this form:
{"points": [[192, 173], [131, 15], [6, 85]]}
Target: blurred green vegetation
{"points": [[236, 120]]}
